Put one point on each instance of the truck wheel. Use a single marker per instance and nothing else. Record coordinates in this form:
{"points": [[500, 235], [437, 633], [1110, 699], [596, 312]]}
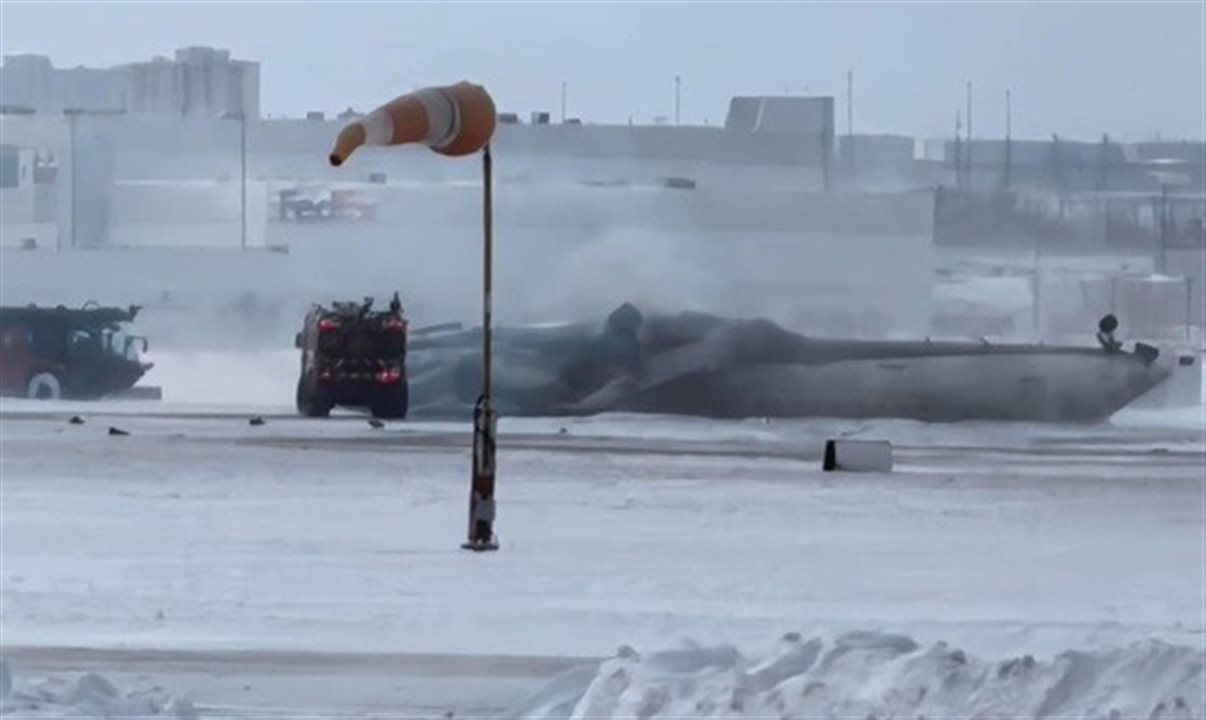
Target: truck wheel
{"points": [[45, 386], [309, 402], [393, 404]]}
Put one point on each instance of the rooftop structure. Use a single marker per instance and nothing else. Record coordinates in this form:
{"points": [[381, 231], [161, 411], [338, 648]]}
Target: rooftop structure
{"points": [[196, 82]]}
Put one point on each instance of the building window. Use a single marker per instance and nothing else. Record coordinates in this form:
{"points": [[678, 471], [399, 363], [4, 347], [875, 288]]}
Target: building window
{"points": [[9, 175]]}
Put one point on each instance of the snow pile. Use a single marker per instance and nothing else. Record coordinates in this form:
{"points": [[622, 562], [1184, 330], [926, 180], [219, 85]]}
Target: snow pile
{"points": [[89, 696], [867, 674]]}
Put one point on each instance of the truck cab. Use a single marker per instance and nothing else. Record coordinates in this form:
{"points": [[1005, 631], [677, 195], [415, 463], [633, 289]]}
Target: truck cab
{"points": [[353, 356]]}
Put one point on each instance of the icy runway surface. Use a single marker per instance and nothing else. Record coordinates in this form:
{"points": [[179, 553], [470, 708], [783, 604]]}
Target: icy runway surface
{"points": [[206, 537]]}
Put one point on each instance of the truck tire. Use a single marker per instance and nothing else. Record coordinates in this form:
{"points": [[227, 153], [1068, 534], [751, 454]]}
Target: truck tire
{"points": [[310, 402], [393, 404], [45, 386]]}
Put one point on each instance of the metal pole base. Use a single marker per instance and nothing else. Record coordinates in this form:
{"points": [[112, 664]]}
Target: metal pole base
{"points": [[487, 546], [481, 497]]}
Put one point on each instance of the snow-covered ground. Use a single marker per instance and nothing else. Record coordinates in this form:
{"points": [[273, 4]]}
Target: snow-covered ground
{"points": [[90, 696], [314, 565]]}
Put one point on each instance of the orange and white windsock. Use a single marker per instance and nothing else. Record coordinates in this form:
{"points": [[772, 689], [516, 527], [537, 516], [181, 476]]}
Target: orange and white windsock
{"points": [[452, 120]]}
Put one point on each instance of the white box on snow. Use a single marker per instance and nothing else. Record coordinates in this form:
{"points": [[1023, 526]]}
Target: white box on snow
{"points": [[858, 456]]}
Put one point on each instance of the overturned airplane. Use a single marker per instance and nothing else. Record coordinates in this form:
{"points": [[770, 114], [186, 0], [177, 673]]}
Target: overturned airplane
{"points": [[704, 365]]}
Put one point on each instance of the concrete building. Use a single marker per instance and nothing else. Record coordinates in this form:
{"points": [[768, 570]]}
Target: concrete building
{"points": [[197, 82], [774, 124], [876, 151], [163, 146], [110, 164], [883, 162], [741, 210], [1184, 151]]}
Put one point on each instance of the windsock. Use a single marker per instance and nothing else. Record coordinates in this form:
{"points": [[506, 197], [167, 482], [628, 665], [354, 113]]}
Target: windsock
{"points": [[452, 120]]}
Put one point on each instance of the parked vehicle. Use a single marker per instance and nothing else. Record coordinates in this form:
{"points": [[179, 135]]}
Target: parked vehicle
{"points": [[82, 353]]}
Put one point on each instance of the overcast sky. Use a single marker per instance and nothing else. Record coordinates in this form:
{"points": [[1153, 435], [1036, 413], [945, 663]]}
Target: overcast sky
{"points": [[1077, 68]]}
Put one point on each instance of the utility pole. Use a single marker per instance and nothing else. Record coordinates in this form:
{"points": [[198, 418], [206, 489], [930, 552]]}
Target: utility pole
{"points": [[1008, 142], [71, 118], [243, 181], [1057, 174], [1188, 307], [828, 133], [850, 120], [1162, 257], [563, 93], [678, 85], [241, 117], [968, 158], [1037, 289], [958, 153], [1103, 163]]}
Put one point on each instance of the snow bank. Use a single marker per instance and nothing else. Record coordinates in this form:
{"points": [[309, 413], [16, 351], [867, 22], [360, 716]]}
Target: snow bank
{"points": [[88, 696], [869, 674]]}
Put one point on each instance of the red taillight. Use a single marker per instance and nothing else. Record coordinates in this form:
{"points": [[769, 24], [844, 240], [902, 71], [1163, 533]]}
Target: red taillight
{"points": [[324, 375], [389, 377], [327, 325], [395, 325]]}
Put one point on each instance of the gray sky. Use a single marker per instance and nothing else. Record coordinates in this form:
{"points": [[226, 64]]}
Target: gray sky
{"points": [[1077, 68]]}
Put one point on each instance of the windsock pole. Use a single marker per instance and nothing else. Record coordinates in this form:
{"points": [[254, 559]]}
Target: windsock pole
{"points": [[481, 495], [487, 266], [453, 120]]}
